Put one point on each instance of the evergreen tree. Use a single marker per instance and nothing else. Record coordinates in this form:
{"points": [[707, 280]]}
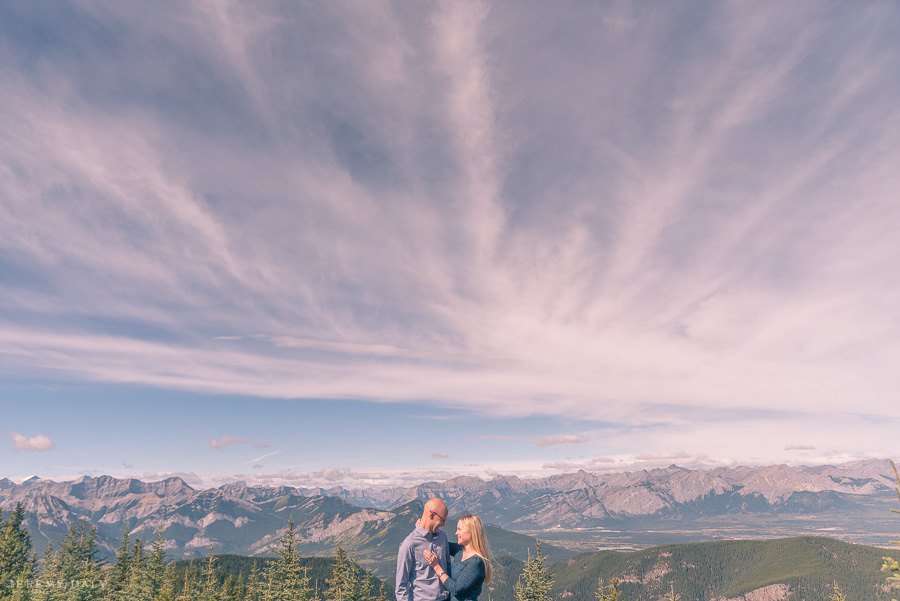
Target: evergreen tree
{"points": [[136, 587], [383, 593], [189, 587], [535, 582], [348, 582], [232, 590], [45, 588], [255, 587], [167, 590], [118, 575], [890, 564], [337, 585], [87, 584], [672, 596], [154, 580], [269, 586], [837, 594], [358, 577], [210, 590], [72, 572], [608, 592], [18, 562], [22, 587], [287, 581]]}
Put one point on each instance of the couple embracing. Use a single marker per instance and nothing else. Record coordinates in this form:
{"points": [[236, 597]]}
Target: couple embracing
{"points": [[425, 571]]}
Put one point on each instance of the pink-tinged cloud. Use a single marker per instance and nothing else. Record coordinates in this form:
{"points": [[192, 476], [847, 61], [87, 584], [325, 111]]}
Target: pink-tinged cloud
{"points": [[598, 463], [799, 447], [663, 455], [331, 473], [639, 462], [230, 440], [439, 455], [614, 310], [35, 443], [558, 440]]}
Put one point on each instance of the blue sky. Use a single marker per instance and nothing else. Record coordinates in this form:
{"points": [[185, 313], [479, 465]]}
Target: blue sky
{"points": [[385, 242]]}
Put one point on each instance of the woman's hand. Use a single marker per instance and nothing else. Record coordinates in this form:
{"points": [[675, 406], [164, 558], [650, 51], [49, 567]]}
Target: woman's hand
{"points": [[431, 558]]}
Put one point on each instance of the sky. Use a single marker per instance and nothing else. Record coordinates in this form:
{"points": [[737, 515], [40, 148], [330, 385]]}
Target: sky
{"points": [[379, 243]]}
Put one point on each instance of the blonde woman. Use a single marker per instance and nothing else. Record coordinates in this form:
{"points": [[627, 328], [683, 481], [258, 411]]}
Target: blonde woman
{"points": [[471, 568]]}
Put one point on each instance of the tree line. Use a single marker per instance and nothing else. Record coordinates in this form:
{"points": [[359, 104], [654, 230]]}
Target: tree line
{"points": [[74, 570]]}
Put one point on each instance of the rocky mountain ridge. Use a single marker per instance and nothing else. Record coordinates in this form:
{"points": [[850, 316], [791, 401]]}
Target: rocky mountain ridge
{"points": [[584, 499], [236, 518]]}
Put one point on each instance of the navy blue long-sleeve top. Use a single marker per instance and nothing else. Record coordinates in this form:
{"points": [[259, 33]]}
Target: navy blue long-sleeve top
{"points": [[465, 578]]}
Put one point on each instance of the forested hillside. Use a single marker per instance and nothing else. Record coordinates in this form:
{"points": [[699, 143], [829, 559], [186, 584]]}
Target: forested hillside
{"points": [[804, 568], [801, 568], [233, 575], [795, 569]]}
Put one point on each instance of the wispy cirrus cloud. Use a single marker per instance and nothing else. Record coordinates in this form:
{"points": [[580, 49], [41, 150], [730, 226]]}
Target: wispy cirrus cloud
{"points": [[261, 457], [230, 440], [799, 447], [449, 212], [541, 441], [563, 439]]}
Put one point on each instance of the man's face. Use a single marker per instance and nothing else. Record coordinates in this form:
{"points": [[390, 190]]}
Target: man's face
{"points": [[435, 519]]}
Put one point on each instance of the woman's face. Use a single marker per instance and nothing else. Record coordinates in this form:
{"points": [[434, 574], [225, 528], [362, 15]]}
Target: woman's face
{"points": [[462, 535]]}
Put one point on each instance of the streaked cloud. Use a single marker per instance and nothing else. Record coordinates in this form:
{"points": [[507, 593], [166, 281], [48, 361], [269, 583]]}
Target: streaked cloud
{"points": [[373, 350], [439, 455], [563, 439], [230, 440], [663, 456], [261, 457], [541, 441], [799, 447], [585, 212], [597, 463]]}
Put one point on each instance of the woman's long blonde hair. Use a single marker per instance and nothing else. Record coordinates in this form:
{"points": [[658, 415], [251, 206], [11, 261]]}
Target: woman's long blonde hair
{"points": [[478, 541]]}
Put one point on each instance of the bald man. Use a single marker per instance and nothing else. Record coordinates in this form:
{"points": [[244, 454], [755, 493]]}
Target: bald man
{"points": [[416, 580]]}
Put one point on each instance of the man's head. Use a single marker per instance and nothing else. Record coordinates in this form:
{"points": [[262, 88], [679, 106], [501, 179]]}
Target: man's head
{"points": [[434, 516]]}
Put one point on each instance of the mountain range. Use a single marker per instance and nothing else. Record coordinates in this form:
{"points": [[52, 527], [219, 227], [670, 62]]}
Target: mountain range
{"points": [[584, 499], [578, 511]]}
